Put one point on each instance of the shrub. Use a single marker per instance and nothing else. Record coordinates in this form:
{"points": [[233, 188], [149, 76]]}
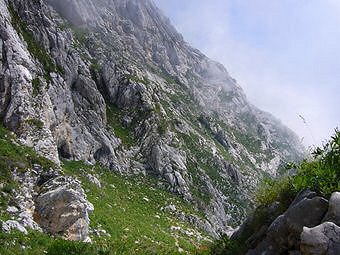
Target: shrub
{"points": [[275, 190], [321, 174]]}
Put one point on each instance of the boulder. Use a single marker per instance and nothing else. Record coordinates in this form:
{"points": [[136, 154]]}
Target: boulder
{"points": [[12, 210], [323, 239], [283, 235], [61, 208], [308, 212], [333, 214], [306, 193]]}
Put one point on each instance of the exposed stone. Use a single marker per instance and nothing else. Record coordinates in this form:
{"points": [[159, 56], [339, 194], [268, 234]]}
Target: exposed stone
{"points": [[94, 180], [171, 208], [10, 225], [308, 212], [144, 70], [333, 214], [323, 239], [283, 234], [306, 193], [62, 209], [12, 210]]}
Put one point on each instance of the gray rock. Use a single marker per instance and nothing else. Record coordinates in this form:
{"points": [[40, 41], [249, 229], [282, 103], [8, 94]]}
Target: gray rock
{"points": [[171, 208], [62, 209], [294, 253], [307, 212], [12, 210], [94, 180], [10, 225], [232, 171], [323, 239], [26, 219], [283, 234], [303, 194], [333, 214]]}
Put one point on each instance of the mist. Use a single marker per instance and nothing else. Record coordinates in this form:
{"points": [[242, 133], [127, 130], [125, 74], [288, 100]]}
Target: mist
{"points": [[284, 54]]}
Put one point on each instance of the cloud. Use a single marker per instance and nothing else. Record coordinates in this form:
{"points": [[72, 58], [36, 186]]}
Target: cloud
{"points": [[285, 54]]}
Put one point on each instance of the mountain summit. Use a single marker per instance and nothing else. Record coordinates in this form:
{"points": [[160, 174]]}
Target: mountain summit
{"points": [[113, 82]]}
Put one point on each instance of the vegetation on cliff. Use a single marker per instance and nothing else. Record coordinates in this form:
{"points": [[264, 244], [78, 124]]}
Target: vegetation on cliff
{"points": [[320, 174]]}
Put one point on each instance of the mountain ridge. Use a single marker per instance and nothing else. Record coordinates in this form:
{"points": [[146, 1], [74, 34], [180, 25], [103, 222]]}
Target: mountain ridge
{"points": [[115, 83]]}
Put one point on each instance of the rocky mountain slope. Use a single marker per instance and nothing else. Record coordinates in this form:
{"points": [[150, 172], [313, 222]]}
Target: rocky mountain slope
{"points": [[113, 82]]}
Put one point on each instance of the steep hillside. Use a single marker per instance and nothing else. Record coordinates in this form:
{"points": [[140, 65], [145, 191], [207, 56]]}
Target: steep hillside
{"points": [[113, 82], [131, 214]]}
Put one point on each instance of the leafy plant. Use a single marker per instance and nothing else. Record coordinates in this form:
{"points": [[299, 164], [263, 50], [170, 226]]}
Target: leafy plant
{"points": [[321, 174]]}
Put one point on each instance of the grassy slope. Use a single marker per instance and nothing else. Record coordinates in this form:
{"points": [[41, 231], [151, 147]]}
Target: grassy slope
{"points": [[129, 209]]}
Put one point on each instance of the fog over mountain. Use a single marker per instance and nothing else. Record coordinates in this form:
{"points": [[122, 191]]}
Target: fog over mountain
{"points": [[287, 66], [119, 134]]}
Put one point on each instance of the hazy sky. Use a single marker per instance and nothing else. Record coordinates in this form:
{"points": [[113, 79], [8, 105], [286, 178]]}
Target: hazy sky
{"points": [[284, 53]]}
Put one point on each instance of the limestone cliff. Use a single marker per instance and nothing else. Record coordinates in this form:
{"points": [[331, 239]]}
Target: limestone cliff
{"points": [[112, 81]]}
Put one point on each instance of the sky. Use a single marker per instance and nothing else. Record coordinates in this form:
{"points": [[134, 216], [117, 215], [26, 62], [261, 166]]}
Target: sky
{"points": [[285, 54]]}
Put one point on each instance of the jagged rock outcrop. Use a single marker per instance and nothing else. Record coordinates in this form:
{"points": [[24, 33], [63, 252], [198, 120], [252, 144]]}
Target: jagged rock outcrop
{"points": [[301, 229], [114, 82], [10, 225], [45, 200]]}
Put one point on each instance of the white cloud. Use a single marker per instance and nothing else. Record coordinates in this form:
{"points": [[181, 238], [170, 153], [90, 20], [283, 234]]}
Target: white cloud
{"points": [[285, 54]]}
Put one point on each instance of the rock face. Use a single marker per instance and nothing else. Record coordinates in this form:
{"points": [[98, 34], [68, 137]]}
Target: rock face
{"points": [[61, 208], [323, 239], [333, 214], [112, 81], [300, 229]]}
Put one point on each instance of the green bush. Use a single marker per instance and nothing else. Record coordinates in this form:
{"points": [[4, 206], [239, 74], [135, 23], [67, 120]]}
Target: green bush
{"points": [[275, 190], [321, 174]]}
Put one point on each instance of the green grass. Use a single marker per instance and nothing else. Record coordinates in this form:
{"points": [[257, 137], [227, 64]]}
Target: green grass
{"points": [[169, 79], [80, 34], [200, 157], [133, 78], [114, 121], [36, 86], [36, 243], [95, 69], [35, 122], [129, 209]]}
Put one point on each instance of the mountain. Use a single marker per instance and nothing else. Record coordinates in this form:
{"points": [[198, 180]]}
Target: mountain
{"points": [[112, 82]]}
